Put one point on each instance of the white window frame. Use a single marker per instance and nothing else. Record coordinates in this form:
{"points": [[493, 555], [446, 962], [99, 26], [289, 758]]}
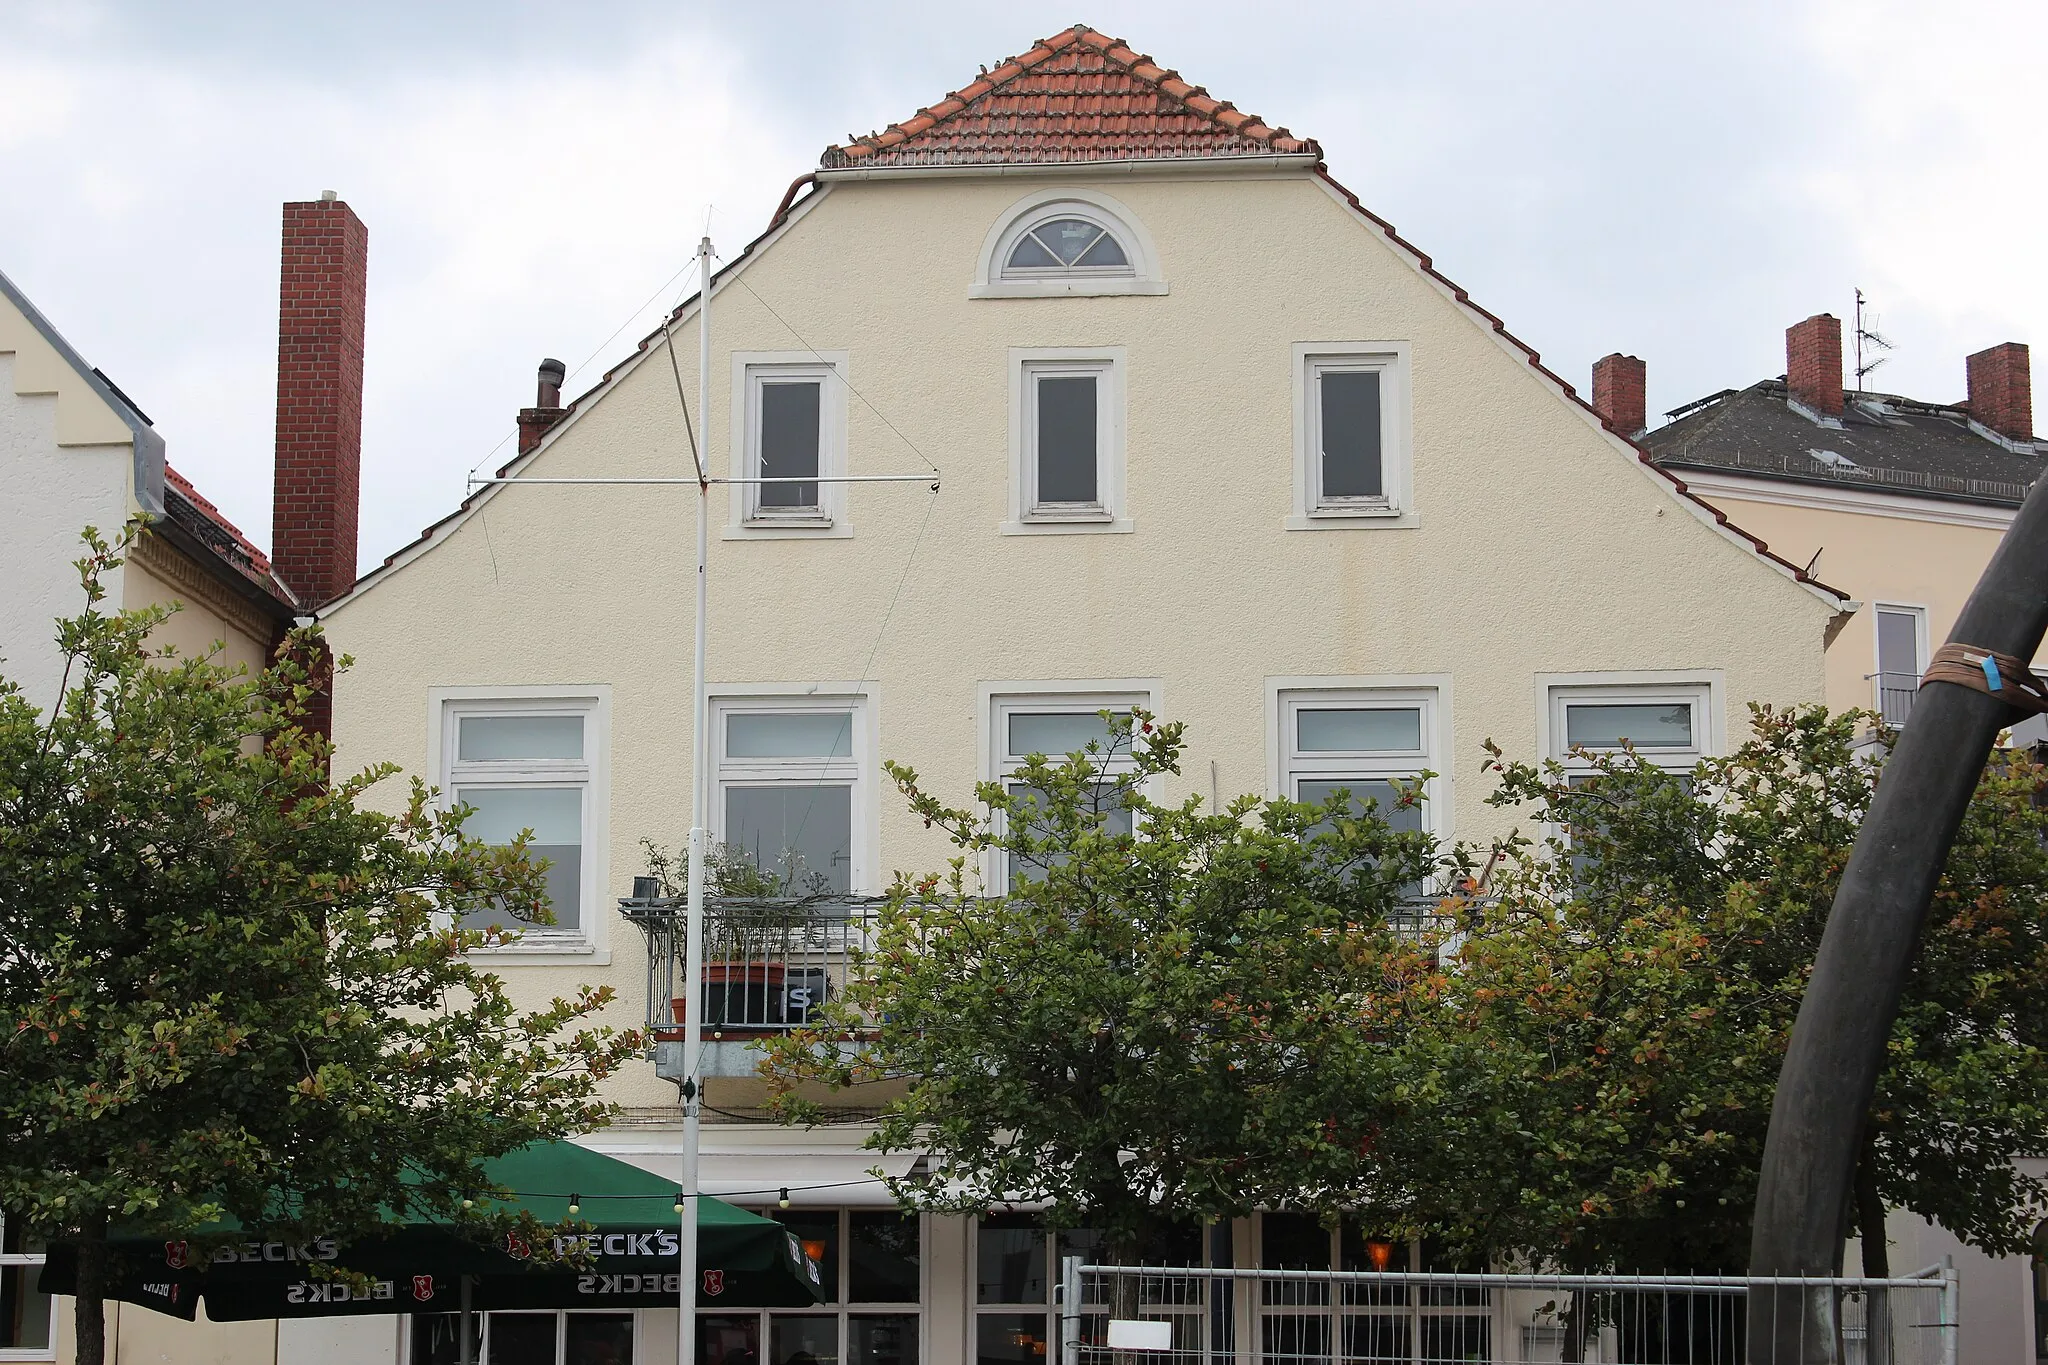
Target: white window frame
{"points": [[1396, 507], [857, 770], [1288, 764], [1922, 644], [999, 701], [841, 1309], [589, 942], [994, 280], [1107, 513], [1702, 691], [747, 519], [27, 1261]]}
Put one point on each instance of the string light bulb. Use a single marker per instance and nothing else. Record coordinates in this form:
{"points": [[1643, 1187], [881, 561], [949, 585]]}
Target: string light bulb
{"points": [[679, 1201], [575, 1204], [783, 1202], [468, 1203]]}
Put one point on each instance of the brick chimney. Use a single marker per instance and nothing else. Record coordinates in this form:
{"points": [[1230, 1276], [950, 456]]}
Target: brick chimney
{"points": [[2002, 390], [1620, 389], [547, 406], [1813, 364], [322, 284]]}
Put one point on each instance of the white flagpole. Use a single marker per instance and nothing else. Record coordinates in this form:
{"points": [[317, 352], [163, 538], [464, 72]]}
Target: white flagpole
{"points": [[693, 923]]}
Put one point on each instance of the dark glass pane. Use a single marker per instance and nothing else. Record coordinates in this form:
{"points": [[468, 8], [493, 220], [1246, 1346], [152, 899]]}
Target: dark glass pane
{"points": [[818, 1230], [882, 1340], [882, 1265], [1376, 1338], [1012, 1339], [1646, 725], [801, 833], [1031, 254], [1106, 252], [597, 1339], [1293, 1241], [521, 1339], [1898, 642], [1362, 791], [555, 815], [1066, 438], [436, 1338], [789, 442], [795, 1339], [729, 1340], [1116, 819], [1454, 1338], [1296, 1338], [1010, 1260], [1351, 434]]}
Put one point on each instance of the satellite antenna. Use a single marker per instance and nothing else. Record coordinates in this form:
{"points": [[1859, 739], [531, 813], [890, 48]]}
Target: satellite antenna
{"points": [[1865, 334]]}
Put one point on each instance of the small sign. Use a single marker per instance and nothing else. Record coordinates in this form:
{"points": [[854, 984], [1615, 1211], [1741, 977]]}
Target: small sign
{"points": [[1135, 1334]]}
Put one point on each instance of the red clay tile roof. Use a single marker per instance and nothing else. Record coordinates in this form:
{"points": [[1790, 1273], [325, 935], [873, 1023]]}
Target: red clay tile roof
{"points": [[222, 536], [1077, 96]]}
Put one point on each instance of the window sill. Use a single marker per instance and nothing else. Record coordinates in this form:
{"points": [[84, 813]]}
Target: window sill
{"points": [[1064, 289], [1360, 519], [1077, 527], [545, 952], [792, 529]]}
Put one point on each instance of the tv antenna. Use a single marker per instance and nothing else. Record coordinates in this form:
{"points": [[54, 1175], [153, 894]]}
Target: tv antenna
{"points": [[1864, 334]]}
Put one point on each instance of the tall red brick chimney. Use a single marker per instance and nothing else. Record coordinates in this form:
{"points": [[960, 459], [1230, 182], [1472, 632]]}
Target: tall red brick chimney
{"points": [[1620, 393], [2002, 390], [1813, 364], [322, 284]]}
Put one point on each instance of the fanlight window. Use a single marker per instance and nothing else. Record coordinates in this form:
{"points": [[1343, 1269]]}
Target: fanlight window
{"points": [[1067, 246]]}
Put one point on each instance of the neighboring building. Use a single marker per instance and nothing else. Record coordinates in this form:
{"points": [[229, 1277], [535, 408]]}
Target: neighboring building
{"points": [[1897, 501], [1213, 440], [76, 451], [1900, 502]]}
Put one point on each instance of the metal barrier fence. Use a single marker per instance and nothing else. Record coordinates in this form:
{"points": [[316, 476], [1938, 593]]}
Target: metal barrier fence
{"points": [[1157, 1316]]}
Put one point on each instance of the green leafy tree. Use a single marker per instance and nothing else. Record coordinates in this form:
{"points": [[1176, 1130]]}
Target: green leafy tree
{"points": [[231, 992], [1169, 1014], [1591, 1077]]}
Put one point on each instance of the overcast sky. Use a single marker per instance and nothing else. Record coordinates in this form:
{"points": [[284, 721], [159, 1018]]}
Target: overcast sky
{"points": [[1678, 182]]}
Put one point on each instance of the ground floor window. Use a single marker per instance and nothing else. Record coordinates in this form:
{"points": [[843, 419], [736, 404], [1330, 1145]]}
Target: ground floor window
{"points": [[551, 1338], [25, 1318], [1017, 1259], [872, 1264]]}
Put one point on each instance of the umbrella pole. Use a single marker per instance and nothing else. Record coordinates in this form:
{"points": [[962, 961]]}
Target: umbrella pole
{"points": [[467, 1354]]}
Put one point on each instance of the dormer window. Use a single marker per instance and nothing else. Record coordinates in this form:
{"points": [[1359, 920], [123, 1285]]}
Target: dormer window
{"points": [[1066, 242], [1066, 245]]}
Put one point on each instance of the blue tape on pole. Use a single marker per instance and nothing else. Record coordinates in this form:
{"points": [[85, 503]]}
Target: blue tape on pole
{"points": [[1991, 674]]}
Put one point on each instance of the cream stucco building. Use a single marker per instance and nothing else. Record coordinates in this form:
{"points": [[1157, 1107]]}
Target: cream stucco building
{"points": [[1193, 431]]}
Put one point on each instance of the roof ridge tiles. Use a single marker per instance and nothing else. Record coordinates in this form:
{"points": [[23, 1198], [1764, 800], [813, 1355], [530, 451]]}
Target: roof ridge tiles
{"points": [[1036, 109]]}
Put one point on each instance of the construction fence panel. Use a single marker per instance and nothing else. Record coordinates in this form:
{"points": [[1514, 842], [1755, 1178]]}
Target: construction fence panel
{"points": [[1125, 1315]]}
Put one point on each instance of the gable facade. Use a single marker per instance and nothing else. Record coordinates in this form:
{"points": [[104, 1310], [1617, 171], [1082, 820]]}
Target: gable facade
{"points": [[1504, 557]]}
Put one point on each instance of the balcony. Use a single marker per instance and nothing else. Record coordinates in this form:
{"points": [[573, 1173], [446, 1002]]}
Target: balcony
{"points": [[1893, 694]]}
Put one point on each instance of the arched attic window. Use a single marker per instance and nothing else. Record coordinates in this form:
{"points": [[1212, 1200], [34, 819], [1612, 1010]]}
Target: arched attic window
{"points": [[1066, 242]]}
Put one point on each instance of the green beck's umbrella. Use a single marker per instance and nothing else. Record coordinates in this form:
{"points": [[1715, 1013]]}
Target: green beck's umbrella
{"points": [[621, 1249]]}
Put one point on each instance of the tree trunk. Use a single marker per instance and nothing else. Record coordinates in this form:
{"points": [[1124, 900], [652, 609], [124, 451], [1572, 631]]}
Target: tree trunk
{"points": [[1877, 1261], [89, 1319]]}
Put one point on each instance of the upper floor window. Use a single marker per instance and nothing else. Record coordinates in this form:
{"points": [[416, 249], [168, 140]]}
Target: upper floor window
{"points": [[1055, 725], [1666, 725], [788, 443], [1066, 242], [791, 799], [1351, 445], [1066, 440], [533, 760], [1901, 658]]}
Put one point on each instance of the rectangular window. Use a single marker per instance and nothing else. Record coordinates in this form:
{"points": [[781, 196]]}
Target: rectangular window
{"points": [[788, 442], [1016, 1260], [1055, 725], [526, 1338], [872, 1293], [791, 795], [1666, 725], [1359, 740], [1901, 659], [529, 764], [1066, 439], [1351, 433], [26, 1320]]}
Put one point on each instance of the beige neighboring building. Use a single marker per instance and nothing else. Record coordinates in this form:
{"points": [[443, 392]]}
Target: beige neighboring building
{"points": [[1900, 503], [1209, 438]]}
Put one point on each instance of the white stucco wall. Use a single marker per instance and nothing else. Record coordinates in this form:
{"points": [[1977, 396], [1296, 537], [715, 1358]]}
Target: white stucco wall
{"points": [[52, 493], [1541, 547]]}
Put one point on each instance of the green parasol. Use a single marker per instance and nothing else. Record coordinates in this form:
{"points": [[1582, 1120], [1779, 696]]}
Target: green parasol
{"points": [[626, 1229]]}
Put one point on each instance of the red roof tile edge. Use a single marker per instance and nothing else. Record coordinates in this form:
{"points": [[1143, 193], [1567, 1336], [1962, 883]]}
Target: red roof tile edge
{"points": [[254, 564], [1198, 100]]}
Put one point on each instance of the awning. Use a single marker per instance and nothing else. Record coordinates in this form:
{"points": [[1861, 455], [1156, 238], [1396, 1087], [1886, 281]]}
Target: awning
{"points": [[627, 1217]]}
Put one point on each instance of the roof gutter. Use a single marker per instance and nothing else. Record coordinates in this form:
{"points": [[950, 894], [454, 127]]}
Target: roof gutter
{"points": [[1069, 170]]}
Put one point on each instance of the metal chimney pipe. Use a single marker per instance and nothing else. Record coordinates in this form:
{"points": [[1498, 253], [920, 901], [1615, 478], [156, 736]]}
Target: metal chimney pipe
{"points": [[552, 373]]}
